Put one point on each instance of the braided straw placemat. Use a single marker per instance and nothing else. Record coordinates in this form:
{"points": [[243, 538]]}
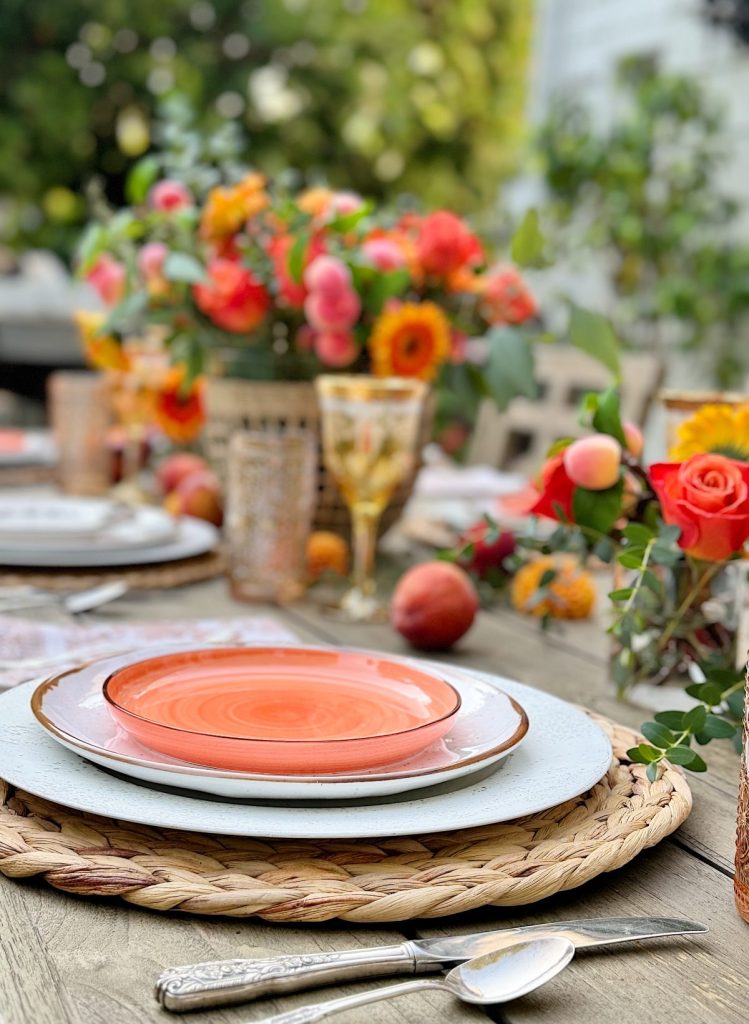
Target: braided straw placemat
{"points": [[364, 881], [141, 577]]}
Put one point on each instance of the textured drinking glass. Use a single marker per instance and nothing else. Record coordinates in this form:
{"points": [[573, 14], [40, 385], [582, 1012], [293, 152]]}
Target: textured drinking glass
{"points": [[270, 500], [370, 427], [80, 413]]}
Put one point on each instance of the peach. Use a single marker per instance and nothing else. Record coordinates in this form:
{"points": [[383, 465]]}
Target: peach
{"points": [[199, 495], [174, 468], [633, 438], [434, 604], [593, 462]]}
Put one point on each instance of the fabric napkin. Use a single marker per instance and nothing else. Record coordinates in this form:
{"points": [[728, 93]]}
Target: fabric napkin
{"points": [[20, 638]]}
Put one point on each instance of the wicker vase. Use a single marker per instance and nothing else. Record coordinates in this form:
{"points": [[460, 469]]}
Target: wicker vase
{"points": [[234, 404]]}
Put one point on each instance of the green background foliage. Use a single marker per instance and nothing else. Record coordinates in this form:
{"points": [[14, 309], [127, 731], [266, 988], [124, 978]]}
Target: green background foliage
{"points": [[383, 96]]}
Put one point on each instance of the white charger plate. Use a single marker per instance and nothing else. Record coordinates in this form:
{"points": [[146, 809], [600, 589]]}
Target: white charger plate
{"points": [[72, 709], [192, 537], [137, 526], [565, 753]]}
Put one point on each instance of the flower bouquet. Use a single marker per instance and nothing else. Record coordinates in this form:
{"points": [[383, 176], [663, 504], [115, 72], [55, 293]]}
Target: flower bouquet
{"points": [[676, 533]]}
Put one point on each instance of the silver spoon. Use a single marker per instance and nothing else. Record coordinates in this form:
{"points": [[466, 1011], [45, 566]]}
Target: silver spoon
{"points": [[495, 977]]}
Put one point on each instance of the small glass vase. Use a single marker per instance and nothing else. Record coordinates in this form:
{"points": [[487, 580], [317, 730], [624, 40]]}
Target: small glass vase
{"points": [[696, 619]]}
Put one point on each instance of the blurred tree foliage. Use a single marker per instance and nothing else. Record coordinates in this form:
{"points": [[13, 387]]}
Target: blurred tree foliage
{"points": [[645, 194], [383, 96]]}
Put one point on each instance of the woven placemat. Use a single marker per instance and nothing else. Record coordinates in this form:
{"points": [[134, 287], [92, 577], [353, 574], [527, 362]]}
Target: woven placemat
{"points": [[144, 577], [355, 880]]}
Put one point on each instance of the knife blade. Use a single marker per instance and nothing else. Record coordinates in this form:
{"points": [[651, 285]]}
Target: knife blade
{"points": [[225, 982]]}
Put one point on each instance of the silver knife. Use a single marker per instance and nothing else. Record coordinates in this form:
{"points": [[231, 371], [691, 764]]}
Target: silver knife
{"points": [[224, 982]]}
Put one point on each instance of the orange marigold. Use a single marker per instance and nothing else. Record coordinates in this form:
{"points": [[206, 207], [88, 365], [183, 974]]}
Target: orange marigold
{"points": [[228, 208], [570, 594], [411, 340], [102, 351], [179, 411]]}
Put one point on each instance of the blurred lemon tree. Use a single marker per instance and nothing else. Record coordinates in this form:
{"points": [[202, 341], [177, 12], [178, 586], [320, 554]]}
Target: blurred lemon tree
{"points": [[645, 194], [382, 96]]}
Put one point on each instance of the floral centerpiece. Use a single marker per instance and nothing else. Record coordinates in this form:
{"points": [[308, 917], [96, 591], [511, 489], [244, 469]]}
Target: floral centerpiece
{"points": [[257, 282], [676, 532]]}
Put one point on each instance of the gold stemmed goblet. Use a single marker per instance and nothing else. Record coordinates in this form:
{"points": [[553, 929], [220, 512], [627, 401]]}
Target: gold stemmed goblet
{"points": [[370, 427]]}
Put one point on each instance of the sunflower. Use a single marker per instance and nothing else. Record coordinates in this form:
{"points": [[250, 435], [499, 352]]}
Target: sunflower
{"points": [[722, 429], [412, 340], [179, 412], [102, 351]]}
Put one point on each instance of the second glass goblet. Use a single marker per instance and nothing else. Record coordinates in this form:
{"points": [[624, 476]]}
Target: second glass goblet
{"points": [[370, 427]]}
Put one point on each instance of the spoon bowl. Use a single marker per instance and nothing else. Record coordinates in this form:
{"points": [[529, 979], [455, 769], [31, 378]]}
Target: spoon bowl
{"points": [[509, 973]]}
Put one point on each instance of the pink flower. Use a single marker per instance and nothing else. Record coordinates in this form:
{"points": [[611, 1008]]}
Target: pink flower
{"points": [[169, 196], [327, 274], [336, 348], [506, 298], [345, 202], [108, 277], [384, 254], [332, 311], [151, 259]]}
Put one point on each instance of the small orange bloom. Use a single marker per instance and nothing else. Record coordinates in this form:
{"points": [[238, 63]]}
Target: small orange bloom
{"points": [[315, 201], [227, 209], [412, 340], [102, 351], [179, 413]]}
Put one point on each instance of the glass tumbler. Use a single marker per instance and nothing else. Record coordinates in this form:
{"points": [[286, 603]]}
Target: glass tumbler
{"points": [[270, 501], [80, 414]]}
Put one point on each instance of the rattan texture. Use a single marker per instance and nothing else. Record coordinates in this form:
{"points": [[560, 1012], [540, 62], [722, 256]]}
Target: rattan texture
{"points": [[362, 881], [155, 576], [234, 404]]}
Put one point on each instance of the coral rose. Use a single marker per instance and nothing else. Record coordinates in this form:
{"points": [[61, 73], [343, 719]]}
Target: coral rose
{"points": [[335, 348], [505, 297], [108, 277], [233, 299], [169, 196], [445, 244], [708, 497], [327, 274], [384, 254]]}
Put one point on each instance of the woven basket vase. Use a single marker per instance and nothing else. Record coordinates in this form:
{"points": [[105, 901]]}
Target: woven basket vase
{"points": [[239, 404]]}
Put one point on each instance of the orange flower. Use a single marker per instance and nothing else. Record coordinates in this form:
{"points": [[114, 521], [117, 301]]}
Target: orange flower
{"points": [[102, 351], [315, 201], [571, 594], [178, 412], [412, 340], [445, 244], [233, 298], [228, 208]]}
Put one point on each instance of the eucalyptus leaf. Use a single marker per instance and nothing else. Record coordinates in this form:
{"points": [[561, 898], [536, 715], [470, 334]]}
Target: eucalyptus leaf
{"points": [[597, 510], [658, 734], [510, 369], [180, 266], [527, 245], [593, 333]]}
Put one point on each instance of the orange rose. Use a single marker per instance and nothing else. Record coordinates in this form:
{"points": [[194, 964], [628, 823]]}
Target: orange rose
{"points": [[708, 498], [445, 244]]}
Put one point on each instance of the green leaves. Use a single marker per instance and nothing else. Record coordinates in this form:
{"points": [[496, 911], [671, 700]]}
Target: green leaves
{"points": [[527, 246], [180, 266], [140, 179], [295, 259], [593, 333], [509, 371], [125, 314], [605, 415], [597, 510], [386, 286]]}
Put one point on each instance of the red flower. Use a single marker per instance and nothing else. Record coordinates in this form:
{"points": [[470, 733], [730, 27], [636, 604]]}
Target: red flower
{"points": [[505, 297], [445, 244], [708, 497], [556, 491], [109, 277], [234, 299]]}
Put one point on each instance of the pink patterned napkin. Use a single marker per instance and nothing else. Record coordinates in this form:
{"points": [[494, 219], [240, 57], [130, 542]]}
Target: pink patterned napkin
{"points": [[20, 638]]}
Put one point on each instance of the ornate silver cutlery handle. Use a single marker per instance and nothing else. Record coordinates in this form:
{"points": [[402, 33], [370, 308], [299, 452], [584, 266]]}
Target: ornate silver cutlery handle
{"points": [[236, 981]]}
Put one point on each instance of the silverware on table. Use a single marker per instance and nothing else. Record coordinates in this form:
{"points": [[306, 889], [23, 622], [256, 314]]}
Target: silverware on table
{"points": [[489, 979], [222, 982], [26, 598]]}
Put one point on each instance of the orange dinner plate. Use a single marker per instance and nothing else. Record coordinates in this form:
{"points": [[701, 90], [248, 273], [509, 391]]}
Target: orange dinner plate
{"points": [[281, 709]]}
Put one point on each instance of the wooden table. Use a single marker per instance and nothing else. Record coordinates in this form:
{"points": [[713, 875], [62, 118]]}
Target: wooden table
{"points": [[72, 961]]}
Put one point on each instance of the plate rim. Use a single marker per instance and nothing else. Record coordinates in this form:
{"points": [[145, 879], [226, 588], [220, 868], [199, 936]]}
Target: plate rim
{"points": [[204, 771]]}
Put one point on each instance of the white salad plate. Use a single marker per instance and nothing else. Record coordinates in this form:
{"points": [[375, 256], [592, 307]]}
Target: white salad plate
{"points": [[564, 754], [20, 447], [189, 537], [72, 709], [127, 527]]}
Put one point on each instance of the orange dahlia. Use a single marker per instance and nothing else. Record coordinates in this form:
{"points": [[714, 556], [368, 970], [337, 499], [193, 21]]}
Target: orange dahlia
{"points": [[227, 209], [179, 411], [102, 351], [411, 340]]}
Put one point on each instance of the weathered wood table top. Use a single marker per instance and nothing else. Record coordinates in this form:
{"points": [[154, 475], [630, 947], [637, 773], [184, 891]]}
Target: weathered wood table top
{"points": [[73, 961]]}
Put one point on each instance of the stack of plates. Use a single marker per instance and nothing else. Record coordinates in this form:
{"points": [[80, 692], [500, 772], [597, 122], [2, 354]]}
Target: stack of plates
{"points": [[56, 532], [296, 742]]}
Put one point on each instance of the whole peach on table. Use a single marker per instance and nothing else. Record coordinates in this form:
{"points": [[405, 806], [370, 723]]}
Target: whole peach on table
{"points": [[199, 495], [174, 469], [434, 604], [326, 552], [593, 462]]}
